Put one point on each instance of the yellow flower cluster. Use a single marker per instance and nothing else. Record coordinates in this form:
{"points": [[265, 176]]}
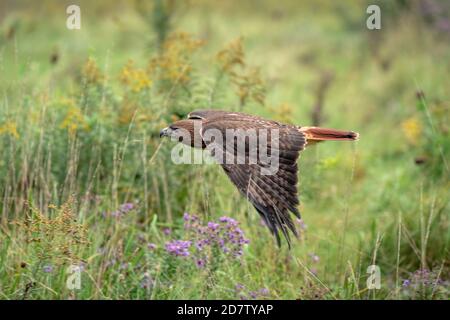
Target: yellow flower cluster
{"points": [[130, 110], [10, 128], [248, 81], [136, 79], [74, 120], [250, 84], [92, 73], [412, 129], [328, 163], [231, 56], [283, 113], [173, 63], [126, 113]]}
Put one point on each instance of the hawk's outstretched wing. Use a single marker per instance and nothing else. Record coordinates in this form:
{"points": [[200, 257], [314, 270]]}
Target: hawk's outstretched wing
{"points": [[271, 186], [273, 195]]}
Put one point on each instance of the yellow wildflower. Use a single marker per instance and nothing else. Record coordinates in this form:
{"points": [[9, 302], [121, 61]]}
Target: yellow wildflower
{"points": [[136, 79], [174, 117], [231, 55], [91, 72], [250, 85], [126, 113], [174, 60], [247, 80], [10, 128], [283, 113], [74, 120], [328, 163], [412, 129]]}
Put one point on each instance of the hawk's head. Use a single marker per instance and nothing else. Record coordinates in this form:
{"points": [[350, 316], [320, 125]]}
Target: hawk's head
{"points": [[185, 131]]}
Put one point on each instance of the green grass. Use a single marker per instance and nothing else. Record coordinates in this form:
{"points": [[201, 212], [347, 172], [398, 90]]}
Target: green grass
{"points": [[79, 137]]}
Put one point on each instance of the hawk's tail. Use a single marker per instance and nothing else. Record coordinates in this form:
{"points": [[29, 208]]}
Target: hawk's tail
{"points": [[322, 134]]}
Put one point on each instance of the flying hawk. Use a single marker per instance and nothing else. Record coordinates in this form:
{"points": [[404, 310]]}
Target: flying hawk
{"points": [[273, 193]]}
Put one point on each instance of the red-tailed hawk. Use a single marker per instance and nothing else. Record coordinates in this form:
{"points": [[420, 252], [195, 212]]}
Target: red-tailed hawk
{"points": [[259, 156]]}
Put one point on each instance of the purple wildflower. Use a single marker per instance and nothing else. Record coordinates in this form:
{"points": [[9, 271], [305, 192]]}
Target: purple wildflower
{"points": [[47, 268], [126, 207], [190, 220], [178, 248], [228, 220], [443, 25], [200, 263], [151, 246], [167, 231], [199, 245], [315, 258], [239, 287], [223, 234], [429, 8], [115, 214], [123, 209], [425, 284], [264, 291], [244, 294], [111, 262], [213, 226]]}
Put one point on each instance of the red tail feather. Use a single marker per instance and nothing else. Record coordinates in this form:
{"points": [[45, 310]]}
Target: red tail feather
{"points": [[321, 134]]}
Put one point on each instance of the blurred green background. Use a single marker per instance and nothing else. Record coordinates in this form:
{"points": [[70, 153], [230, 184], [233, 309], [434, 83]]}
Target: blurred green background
{"points": [[80, 113]]}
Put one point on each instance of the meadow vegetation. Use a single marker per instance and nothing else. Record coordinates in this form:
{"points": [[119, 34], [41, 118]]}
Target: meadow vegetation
{"points": [[86, 181]]}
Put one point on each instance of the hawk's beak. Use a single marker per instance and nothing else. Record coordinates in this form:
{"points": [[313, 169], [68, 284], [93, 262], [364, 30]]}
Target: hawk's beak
{"points": [[163, 132]]}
